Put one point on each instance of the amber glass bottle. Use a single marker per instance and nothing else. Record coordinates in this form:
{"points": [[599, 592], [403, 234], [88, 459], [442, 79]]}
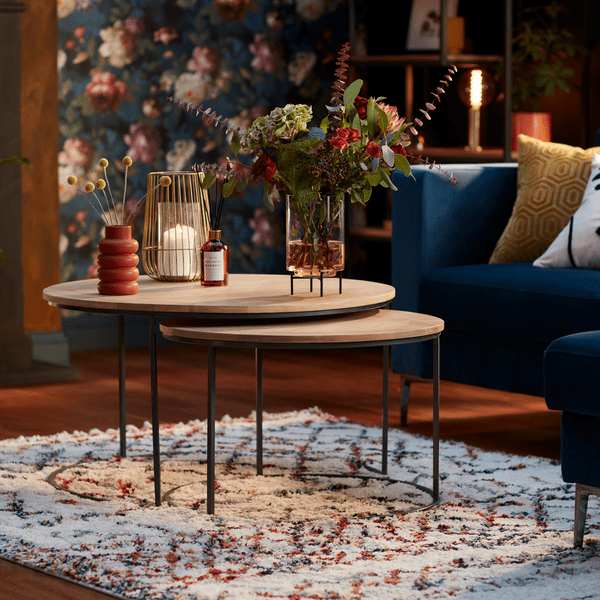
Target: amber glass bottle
{"points": [[215, 260]]}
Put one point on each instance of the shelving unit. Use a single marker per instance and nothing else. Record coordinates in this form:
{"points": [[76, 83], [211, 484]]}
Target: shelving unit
{"points": [[409, 61], [361, 230]]}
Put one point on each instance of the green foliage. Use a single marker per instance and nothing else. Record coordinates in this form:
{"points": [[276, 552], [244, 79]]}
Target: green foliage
{"points": [[540, 47], [356, 147], [17, 160], [351, 93]]}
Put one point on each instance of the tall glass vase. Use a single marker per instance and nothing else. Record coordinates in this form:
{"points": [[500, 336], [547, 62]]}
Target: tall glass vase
{"points": [[315, 236]]}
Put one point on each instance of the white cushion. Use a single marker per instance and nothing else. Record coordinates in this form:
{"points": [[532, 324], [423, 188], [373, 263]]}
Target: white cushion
{"points": [[584, 231]]}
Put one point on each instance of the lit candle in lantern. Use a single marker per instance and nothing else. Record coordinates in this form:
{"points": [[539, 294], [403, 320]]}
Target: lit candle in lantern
{"points": [[179, 252]]}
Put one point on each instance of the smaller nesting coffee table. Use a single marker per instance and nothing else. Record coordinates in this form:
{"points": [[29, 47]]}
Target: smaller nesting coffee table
{"points": [[375, 327]]}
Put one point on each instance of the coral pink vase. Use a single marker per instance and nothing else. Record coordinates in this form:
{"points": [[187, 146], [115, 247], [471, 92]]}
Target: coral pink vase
{"points": [[535, 125], [118, 261]]}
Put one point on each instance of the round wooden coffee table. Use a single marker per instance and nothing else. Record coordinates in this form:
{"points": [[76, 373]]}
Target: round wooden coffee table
{"points": [[365, 328], [260, 296], [266, 297]]}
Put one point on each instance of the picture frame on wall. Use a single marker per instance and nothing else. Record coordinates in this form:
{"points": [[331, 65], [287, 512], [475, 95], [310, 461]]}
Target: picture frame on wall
{"points": [[425, 24]]}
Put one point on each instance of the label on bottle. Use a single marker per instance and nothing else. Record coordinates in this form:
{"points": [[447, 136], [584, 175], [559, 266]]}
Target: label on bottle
{"points": [[214, 266]]}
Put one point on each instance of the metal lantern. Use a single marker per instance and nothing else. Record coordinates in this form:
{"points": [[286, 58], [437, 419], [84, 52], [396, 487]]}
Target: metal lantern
{"points": [[176, 225]]}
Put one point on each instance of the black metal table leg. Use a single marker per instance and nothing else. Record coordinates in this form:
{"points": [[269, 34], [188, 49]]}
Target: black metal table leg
{"points": [[259, 416], [122, 410], [155, 423], [384, 427], [210, 434], [436, 419]]}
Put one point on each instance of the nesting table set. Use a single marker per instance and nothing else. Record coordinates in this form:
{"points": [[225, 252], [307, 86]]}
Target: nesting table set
{"points": [[260, 312]]}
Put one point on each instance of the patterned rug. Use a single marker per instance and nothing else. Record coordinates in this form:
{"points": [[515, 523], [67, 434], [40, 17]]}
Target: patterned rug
{"points": [[503, 528]]}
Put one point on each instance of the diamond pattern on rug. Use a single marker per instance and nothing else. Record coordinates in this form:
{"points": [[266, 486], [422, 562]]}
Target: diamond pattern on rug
{"points": [[503, 528]]}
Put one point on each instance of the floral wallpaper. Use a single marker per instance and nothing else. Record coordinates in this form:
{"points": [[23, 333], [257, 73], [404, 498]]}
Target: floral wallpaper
{"points": [[119, 60]]}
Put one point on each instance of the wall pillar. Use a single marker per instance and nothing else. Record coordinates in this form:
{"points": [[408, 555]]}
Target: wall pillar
{"points": [[33, 349], [39, 143], [15, 345]]}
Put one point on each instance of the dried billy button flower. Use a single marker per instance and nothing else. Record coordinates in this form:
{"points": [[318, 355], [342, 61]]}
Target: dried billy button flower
{"points": [[108, 216]]}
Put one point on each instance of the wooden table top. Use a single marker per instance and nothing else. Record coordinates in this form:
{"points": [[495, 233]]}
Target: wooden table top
{"points": [[246, 295], [370, 326]]}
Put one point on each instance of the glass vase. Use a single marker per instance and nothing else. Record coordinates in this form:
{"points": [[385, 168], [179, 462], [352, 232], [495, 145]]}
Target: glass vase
{"points": [[315, 236]]}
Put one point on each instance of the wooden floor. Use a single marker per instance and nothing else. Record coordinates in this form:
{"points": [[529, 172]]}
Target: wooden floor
{"points": [[341, 382]]}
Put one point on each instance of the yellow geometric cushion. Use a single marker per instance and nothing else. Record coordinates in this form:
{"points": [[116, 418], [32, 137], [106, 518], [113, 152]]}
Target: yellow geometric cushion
{"points": [[551, 180]]}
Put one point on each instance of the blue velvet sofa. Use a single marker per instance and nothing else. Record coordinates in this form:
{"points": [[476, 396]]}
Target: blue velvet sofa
{"points": [[499, 318], [571, 385]]}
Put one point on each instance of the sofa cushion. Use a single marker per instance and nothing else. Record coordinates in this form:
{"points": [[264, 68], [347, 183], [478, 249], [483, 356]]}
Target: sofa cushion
{"points": [[572, 374], [578, 244], [514, 300], [551, 181]]}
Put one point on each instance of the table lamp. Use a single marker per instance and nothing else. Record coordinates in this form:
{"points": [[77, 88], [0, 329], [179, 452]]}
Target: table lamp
{"points": [[476, 89]]}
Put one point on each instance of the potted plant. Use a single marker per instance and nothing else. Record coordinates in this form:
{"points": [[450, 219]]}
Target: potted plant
{"points": [[540, 47]]}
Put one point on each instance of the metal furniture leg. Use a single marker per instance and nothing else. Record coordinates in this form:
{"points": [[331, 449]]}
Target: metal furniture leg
{"points": [[582, 492], [404, 398], [259, 416], [155, 423], [581, 504], [386, 396], [436, 419], [210, 433], [122, 410]]}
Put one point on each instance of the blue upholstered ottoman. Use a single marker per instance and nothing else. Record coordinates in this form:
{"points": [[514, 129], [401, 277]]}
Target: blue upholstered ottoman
{"points": [[572, 385]]}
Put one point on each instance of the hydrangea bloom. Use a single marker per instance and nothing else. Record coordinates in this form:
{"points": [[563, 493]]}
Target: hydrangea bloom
{"points": [[280, 124]]}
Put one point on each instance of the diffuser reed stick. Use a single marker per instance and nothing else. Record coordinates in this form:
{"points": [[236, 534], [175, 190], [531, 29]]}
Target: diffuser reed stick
{"points": [[215, 216]]}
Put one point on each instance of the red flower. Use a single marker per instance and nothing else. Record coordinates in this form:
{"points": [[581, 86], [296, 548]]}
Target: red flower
{"points": [[348, 134], [104, 92], [264, 167], [360, 104], [373, 150], [399, 149], [231, 10], [339, 143]]}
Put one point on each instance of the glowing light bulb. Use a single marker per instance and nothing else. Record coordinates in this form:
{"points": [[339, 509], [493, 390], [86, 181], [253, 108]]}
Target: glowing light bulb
{"points": [[476, 88]]}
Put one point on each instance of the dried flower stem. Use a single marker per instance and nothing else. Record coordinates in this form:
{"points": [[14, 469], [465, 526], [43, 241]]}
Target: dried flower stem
{"points": [[101, 184], [127, 162], [418, 159], [337, 95], [209, 117], [164, 181], [444, 82], [104, 163], [72, 180]]}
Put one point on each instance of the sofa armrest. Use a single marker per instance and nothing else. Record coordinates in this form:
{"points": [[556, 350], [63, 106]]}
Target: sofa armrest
{"points": [[436, 224]]}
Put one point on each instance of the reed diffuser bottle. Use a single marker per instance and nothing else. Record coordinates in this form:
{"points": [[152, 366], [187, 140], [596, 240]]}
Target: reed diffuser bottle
{"points": [[215, 260], [214, 253]]}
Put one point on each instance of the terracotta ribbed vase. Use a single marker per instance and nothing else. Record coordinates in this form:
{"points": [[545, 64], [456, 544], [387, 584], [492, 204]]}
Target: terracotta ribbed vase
{"points": [[118, 261]]}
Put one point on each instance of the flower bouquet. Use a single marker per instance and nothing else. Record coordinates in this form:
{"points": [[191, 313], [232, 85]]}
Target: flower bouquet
{"points": [[357, 146]]}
